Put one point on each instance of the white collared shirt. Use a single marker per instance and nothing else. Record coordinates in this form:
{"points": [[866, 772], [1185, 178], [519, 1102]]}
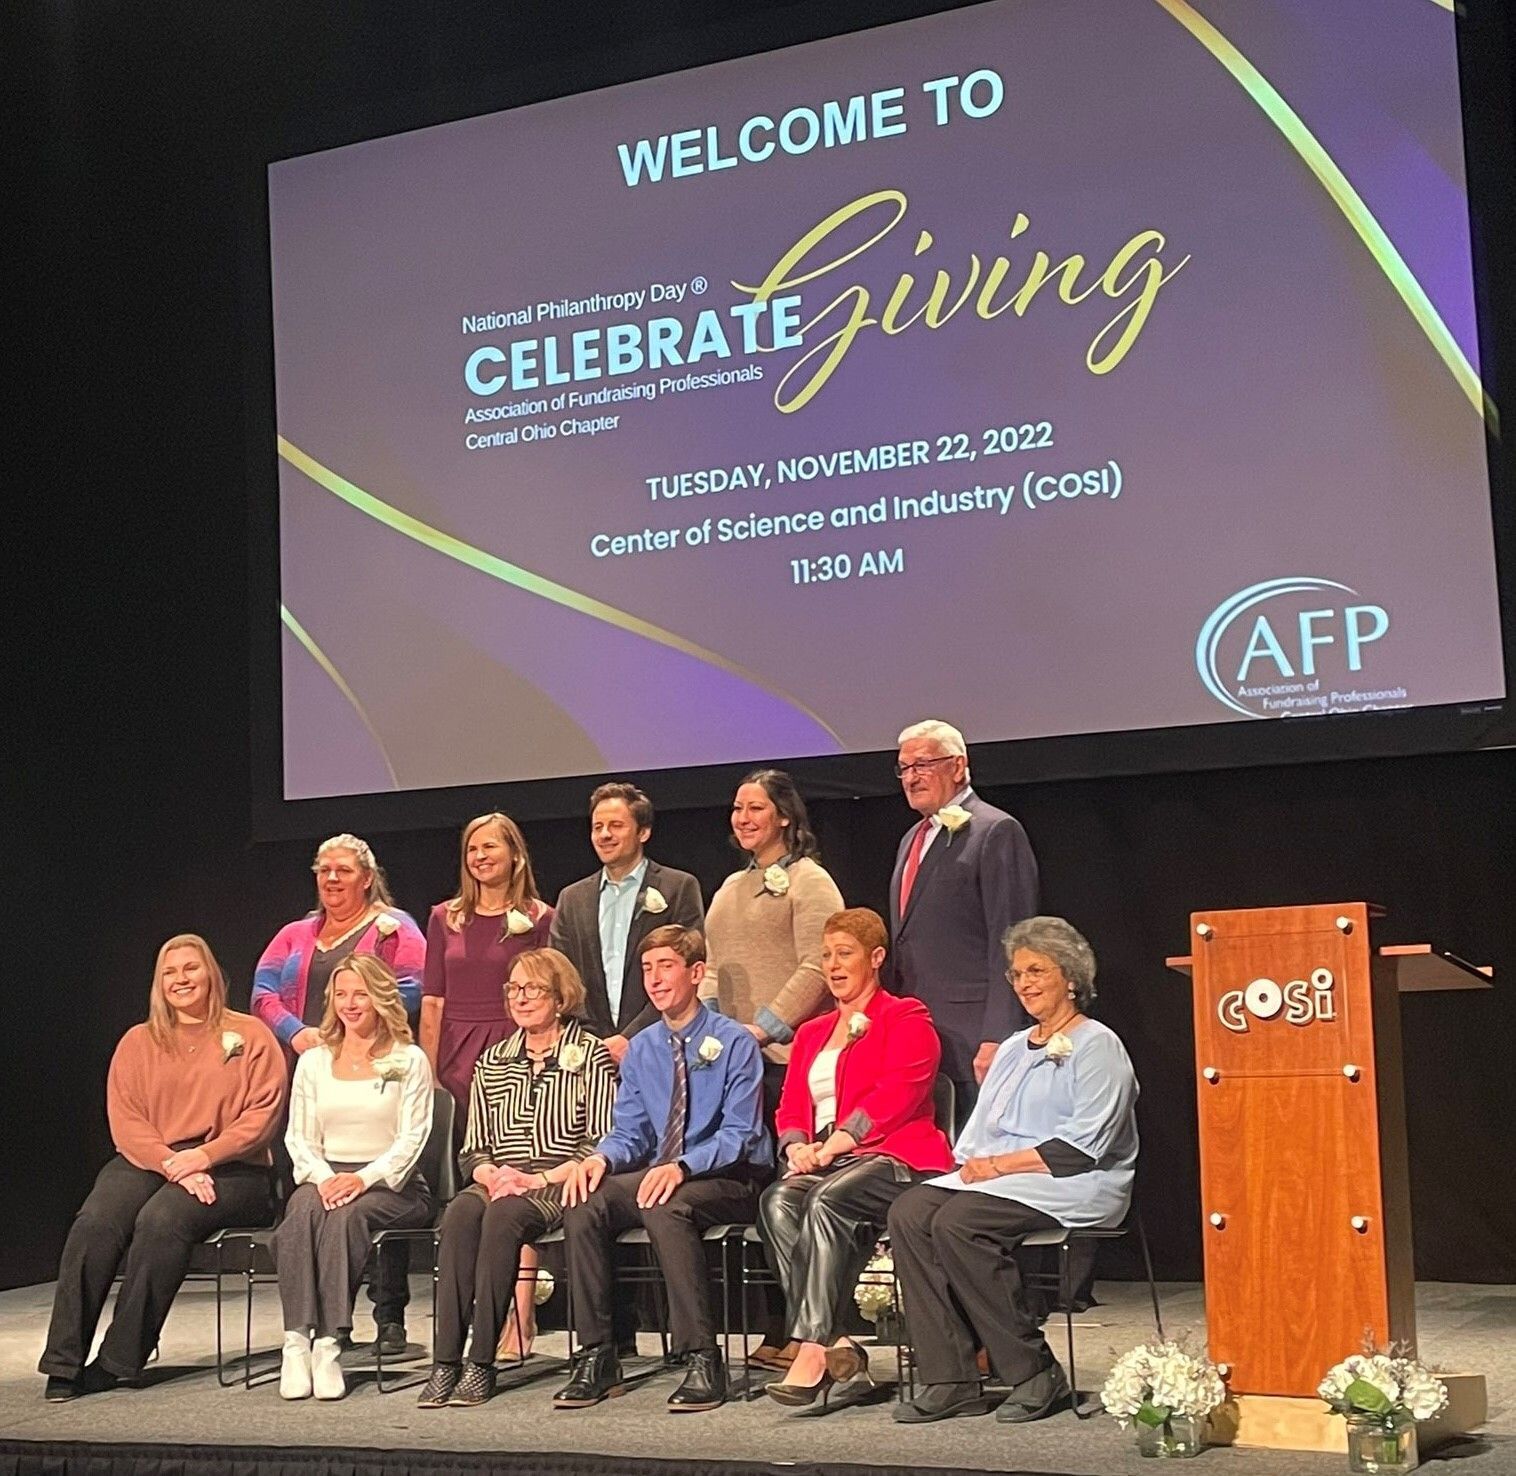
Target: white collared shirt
{"points": [[935, 820]]}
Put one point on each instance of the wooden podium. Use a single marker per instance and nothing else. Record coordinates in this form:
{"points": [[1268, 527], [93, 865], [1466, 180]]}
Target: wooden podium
{"points": [[1303, 1177]]}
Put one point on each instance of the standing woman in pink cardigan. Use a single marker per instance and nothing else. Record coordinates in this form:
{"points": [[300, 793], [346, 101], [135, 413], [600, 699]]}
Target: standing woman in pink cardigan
{"points": [[354, 914], [193, 1096]]}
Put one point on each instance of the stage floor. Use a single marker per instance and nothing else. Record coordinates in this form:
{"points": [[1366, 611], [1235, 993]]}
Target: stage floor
{"points": [[1466, 1328]]}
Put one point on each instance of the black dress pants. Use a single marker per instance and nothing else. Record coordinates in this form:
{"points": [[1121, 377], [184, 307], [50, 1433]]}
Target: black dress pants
{"points": [[819, 1231], [477, 1268], [955, 1259], [674, 1230], [137, 1214]]}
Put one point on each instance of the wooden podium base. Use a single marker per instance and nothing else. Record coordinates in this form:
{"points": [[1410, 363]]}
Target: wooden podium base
{"points": [[1279, 1422]]}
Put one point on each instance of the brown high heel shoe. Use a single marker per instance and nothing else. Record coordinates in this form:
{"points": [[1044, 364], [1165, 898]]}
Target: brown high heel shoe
{"points": [[846, 1361], [798, 1395]]}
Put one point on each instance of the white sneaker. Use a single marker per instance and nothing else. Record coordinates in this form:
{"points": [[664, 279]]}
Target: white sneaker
{"points": [[295, 1367], [326, 1372]]}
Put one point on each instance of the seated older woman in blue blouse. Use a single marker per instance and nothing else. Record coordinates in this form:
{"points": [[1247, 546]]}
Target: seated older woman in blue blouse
{"points": [[1052, 1141]]}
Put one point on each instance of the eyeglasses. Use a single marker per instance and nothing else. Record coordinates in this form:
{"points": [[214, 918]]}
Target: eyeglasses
{"points": [[901, 770], [525, 991], [1033, 975]]}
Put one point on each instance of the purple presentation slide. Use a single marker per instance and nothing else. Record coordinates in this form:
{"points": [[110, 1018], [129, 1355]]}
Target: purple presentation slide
{"points": [[1047, 367]]}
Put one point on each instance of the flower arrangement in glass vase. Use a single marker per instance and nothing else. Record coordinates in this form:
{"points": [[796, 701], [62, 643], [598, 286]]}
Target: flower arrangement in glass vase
{"points": [[1382, 1395], [1168, 1393], [875, 1294]]}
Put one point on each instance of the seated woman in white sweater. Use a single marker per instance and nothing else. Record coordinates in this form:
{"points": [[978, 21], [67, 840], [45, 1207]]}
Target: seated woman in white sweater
{"points": [[360, 1112]]}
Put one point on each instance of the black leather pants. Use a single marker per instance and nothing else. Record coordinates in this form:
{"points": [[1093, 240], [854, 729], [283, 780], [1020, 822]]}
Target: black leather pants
{"points": [[819, 1231]]}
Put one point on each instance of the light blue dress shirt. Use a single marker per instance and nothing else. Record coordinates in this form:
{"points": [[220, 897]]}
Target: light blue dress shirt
{"points": [[725, 1122], [1088, 1100], [618, 906]]}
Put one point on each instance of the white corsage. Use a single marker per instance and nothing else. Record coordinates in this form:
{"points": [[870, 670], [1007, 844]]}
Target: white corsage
{"points": [[571, 1058], [710, 1048], [654, 901], [953, 818], [1059, 1047], [517, 922], [385, 925], [776, 881], [857, 1026], [391, 1068], [232, 1045]]}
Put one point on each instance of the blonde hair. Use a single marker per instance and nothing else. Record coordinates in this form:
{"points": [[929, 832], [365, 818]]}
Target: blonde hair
{"points": [[384, 993], [162, 1025], [556, 970], [520, 890], [377, 888]]}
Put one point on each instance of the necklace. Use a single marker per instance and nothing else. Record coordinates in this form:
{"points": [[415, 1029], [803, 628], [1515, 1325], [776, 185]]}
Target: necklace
{"points": [[1047, 1032]]}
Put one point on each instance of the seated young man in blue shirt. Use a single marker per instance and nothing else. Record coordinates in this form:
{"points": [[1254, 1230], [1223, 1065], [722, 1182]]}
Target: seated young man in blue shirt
{"points": [[687, 1150]]}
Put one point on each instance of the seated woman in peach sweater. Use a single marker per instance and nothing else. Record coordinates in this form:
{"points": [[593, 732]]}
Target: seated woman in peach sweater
{"points": [[193, 1096]]}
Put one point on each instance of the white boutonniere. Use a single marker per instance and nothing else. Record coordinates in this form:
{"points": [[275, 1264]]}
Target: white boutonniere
{"points": [[654, 901], [232, 1045], [710, 1048], [385, 925], [953, 819], [776, 881], [572, 1058], [391, 1068], [1059, 1047], [517, 922], [858, 1026]]}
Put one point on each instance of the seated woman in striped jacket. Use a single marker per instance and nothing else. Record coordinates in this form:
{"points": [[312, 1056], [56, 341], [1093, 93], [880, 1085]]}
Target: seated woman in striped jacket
{"points": [[540, 1101]]}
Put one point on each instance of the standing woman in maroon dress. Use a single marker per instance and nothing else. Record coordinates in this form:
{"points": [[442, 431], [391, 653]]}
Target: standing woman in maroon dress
{"points": [[471, 942]]}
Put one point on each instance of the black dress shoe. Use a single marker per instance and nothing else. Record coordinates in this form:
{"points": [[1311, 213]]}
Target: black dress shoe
{"points": [[704, 1385], [942, 1402], [392, 1340], [1036, 1397], [596, 1375], [60, 1391], [439, 1387], [95, 1380], [477, 1386]]}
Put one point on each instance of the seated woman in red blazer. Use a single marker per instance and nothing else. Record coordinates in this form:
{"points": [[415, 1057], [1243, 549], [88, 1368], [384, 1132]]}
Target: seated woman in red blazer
{"points": [[855, 1130]]}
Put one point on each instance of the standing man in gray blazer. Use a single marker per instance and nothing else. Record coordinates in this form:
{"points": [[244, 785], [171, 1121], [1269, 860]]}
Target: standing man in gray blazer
{"points": [[600, 921], [963, 874]]}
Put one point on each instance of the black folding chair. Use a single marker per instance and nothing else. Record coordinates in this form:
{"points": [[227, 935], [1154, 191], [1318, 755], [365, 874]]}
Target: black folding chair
{"points": [[1060, 1281], [439, 1165]]}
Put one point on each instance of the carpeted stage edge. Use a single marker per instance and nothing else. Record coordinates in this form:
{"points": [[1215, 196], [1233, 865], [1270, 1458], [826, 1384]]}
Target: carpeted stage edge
{"points": [[95, 1458]]}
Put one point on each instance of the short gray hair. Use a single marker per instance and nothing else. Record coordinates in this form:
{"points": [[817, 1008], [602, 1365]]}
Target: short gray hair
{"points": [[944, 735], [1063, 943]]}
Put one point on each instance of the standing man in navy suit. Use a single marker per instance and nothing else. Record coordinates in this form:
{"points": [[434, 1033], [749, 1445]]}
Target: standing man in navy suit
{"points": [[963, 874]]}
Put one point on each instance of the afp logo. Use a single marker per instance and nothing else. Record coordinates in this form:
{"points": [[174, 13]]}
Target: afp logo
{"points": [[1300, 1002], [1260, 650]]}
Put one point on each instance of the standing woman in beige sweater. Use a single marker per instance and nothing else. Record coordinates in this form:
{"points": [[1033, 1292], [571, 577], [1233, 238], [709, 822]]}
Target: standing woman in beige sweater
{"points": [[765, 922], [763, 949]]}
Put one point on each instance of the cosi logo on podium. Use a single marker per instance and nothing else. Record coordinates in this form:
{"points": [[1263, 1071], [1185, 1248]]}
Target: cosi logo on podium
{"points": [[1299, 1002], [1299, 652]]}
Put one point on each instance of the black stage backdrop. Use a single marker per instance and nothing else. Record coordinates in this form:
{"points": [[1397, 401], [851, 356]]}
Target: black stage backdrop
{"points": [[127, 814]]}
